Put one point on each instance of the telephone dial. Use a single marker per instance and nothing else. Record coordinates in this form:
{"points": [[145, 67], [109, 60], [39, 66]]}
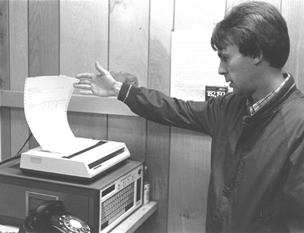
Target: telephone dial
{"points": [[51, 217]]}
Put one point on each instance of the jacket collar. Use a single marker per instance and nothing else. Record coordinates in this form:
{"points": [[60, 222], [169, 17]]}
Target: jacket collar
{"points": [[279, 98]]}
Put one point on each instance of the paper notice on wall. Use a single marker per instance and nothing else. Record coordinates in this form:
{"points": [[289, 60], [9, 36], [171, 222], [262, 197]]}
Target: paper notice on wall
{"points": [[194, 64], [46, 99]]}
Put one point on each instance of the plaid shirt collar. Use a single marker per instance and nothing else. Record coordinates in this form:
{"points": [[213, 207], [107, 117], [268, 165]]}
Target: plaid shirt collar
{"points": [[253, 108]]}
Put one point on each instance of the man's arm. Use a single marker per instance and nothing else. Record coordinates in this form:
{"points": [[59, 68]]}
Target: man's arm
{"points": [[147, 103]]}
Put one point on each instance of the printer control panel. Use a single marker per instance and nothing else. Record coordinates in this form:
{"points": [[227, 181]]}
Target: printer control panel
{"points": [[121, 198]]}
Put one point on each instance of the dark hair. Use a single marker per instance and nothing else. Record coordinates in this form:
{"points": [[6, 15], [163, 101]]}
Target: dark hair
{"points": [[255, 27]]}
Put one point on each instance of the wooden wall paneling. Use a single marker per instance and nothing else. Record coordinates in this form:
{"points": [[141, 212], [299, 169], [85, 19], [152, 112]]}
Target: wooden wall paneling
{"points": [[190, 151], [189, 179], [4, 80], [83, 36], [84, 40], [88, 125], [4, 39], [128, 53], [292, 12], [43, 40], [130, 130], [18, 28], [158, 136], [43, 37]]}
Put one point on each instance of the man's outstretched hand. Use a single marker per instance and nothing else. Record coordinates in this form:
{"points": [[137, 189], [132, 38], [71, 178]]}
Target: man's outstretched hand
{"points": [[102, 84]]}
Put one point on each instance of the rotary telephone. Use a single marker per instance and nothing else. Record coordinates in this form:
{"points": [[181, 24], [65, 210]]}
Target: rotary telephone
{"points": [[51, 217]]}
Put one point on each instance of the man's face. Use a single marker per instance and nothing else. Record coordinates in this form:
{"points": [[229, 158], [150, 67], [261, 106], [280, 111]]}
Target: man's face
{"points": [[238, 70]]}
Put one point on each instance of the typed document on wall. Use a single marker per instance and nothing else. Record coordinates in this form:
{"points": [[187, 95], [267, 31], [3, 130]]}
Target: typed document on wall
{"points": [[194, 64]]}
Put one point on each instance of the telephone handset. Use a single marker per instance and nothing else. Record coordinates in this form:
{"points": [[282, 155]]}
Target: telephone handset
{"points": [[51, 217]]}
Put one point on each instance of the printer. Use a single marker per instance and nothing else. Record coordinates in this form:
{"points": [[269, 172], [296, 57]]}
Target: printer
{"points": [[83, 164], [46, 100]]}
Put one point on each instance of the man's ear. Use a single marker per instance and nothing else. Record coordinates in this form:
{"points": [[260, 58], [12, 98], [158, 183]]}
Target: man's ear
{"points": [[258, 58]]}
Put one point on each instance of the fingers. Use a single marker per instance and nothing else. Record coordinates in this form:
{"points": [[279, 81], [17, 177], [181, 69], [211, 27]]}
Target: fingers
{"points": [[83, 87], [101, 70], [85, 76], [91, 76], [85, 81]]}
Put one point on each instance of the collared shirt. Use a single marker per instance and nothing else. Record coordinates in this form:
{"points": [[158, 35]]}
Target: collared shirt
{"points": [[253, 108]]}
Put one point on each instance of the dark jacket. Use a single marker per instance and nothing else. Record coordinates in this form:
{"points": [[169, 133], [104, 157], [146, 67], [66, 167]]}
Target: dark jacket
{"points": [[257, 163]]}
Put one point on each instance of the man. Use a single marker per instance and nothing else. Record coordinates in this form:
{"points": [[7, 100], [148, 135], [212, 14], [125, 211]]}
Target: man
{"points": [[257, 157]]}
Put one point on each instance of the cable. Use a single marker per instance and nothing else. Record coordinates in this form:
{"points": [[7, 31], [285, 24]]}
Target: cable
{"points": [[29, 137], [18, 155]]}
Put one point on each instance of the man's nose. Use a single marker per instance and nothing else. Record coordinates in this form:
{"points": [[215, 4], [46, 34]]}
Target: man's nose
{"points": [[222, 70]]}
